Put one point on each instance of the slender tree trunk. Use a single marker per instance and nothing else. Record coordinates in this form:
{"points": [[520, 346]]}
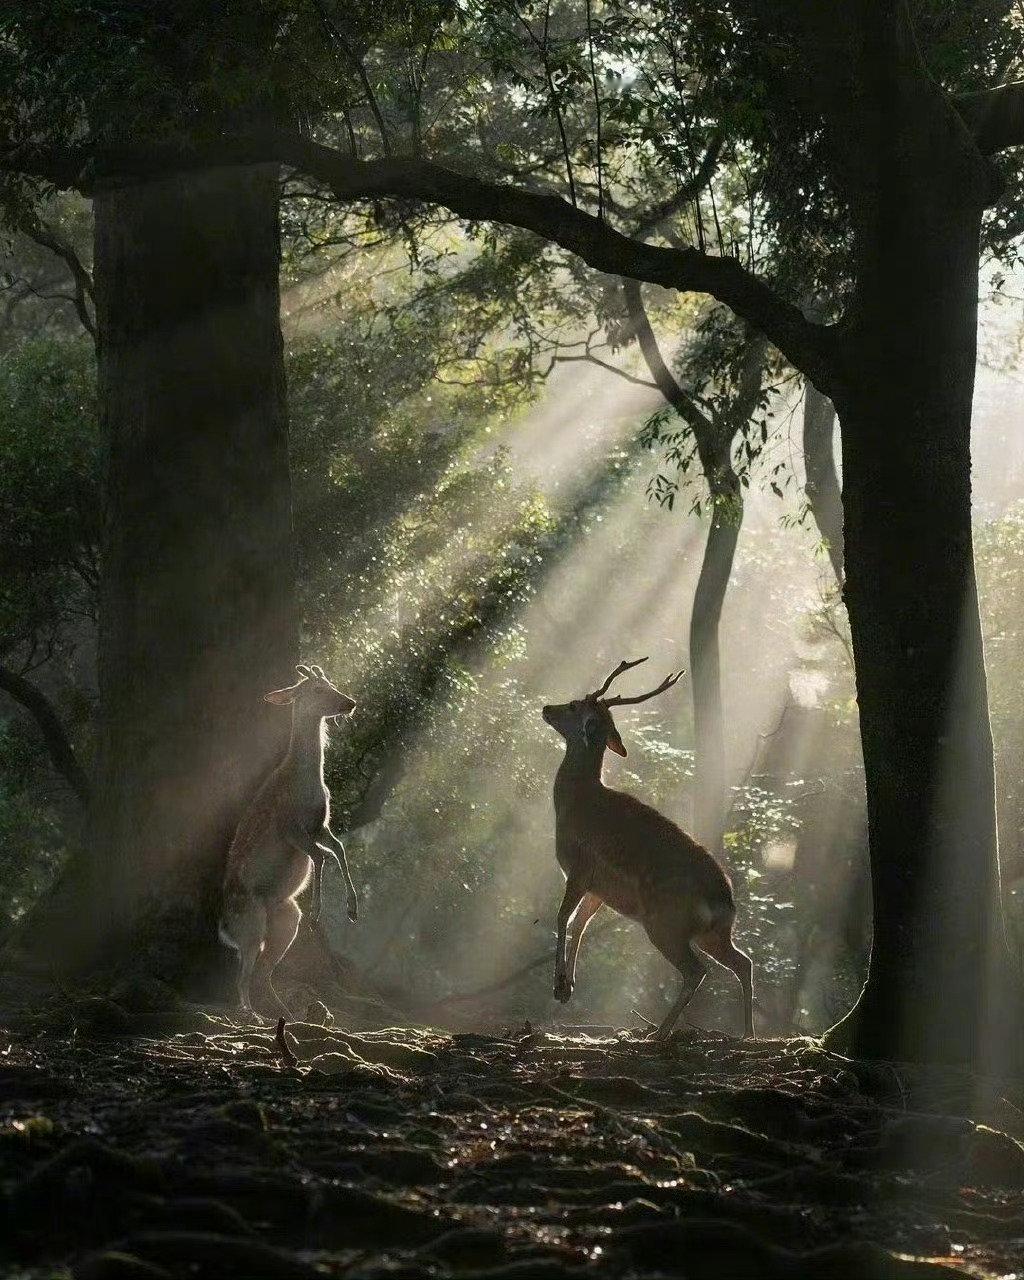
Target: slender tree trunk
{"points": [[709, 788], [821, 479], [198, 614], [939, 965], [714, 438]]}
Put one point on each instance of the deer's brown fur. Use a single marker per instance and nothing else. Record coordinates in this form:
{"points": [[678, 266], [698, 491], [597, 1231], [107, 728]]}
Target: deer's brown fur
{"points": [[283, 836], [615, 849]]}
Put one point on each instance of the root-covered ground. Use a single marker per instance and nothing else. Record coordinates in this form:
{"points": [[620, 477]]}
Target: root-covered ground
{"points": [[521, 1154]]}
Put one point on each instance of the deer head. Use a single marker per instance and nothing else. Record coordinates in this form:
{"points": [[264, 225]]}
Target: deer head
{"points": [[313, 694], [588, 722]]}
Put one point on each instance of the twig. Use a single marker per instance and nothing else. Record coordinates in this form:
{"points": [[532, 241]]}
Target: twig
{"points": [[597, 108], [762, 738], [538, 962], [338, 36], [287, 1057], [642, 1016], [542, 48]]}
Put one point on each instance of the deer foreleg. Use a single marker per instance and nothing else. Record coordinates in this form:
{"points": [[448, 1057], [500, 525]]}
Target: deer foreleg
{"points": [[305, 845], [337, 852], [316, 892]]}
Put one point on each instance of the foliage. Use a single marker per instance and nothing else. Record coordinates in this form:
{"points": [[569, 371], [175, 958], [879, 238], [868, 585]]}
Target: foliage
{"points": [[409, 510], [49, 499], [49, 517], [33, 828]]}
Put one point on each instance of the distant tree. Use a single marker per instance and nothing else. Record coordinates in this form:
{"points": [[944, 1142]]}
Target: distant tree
{"points": [[715, 422]]}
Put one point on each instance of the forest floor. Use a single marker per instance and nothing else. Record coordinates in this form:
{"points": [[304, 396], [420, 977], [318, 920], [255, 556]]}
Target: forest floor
{"points": [[218, 1152]]}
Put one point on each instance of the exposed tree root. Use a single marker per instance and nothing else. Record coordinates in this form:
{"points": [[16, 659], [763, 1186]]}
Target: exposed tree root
{"points": [[235, 1150]]}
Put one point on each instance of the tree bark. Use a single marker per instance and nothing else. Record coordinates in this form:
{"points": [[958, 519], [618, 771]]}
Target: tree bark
{"points": [[821, 483], [939, 972], [714, 439], [197, 610], [715, 449], [709, 787], [940, 980]]}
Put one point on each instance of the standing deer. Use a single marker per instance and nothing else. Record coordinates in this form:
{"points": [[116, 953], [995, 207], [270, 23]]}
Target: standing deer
{"points": [[283, 835], [617, 850]]}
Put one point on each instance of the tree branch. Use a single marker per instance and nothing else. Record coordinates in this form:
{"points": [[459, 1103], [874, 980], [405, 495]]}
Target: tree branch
{"points": [[590, 358], [664, 379], [523, 971], [62, 754], [809, 347], [648, 222], [44, 235], [335, 33], [995, 117]]}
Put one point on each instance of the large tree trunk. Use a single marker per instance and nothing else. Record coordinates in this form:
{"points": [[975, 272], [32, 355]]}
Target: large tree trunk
{"points": [[709, 788], [939, 965], [198, 614]]}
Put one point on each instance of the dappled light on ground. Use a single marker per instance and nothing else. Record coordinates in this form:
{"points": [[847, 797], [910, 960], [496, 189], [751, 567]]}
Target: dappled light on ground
{"points": [[228, 1151]]}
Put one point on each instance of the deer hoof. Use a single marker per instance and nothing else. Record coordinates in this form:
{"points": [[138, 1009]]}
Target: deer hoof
{"points": [[353, 912], [563, 989]]}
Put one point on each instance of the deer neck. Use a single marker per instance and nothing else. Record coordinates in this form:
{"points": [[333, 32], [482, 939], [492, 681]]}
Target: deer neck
{"points": [[580, 769], [305, 759]]}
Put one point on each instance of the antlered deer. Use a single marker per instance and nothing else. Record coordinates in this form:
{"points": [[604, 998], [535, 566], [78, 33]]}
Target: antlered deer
{"points": [[617, 850], [284, 834]]}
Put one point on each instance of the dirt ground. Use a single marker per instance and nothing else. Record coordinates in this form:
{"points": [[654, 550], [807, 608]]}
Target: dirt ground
{"points": [[225, 1152]]}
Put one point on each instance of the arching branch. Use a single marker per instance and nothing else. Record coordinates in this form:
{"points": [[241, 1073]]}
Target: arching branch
{"points": [[664, 378], [83, 298], [809, 347], [995, 117], [61, 752]]}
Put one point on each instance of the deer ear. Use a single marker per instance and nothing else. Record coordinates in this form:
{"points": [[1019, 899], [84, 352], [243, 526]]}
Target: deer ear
{"points": [[615, 742], [281, 697], [304, 671]]}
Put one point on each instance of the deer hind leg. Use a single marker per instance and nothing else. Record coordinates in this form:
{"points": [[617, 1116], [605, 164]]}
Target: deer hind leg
{"points": [[582, 916], [282, 925], [244, 926], [678, 951], [573, 896], [719, 946]]}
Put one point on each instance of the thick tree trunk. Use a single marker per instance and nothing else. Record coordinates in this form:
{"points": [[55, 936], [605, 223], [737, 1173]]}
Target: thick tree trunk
{"points": [[939, 966], [821, 480], [198, 614], [709, 788]]}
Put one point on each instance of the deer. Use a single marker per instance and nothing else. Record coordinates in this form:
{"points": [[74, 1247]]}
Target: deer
{"points": [[614, 849], [283, 837]]}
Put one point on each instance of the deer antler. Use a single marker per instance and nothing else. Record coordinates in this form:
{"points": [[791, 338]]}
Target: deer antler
{"points": [[624, 665], [667, 683]]}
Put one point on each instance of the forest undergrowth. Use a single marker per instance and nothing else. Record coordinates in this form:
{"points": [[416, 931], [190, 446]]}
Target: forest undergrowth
{"points": [[140, 1143]]}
